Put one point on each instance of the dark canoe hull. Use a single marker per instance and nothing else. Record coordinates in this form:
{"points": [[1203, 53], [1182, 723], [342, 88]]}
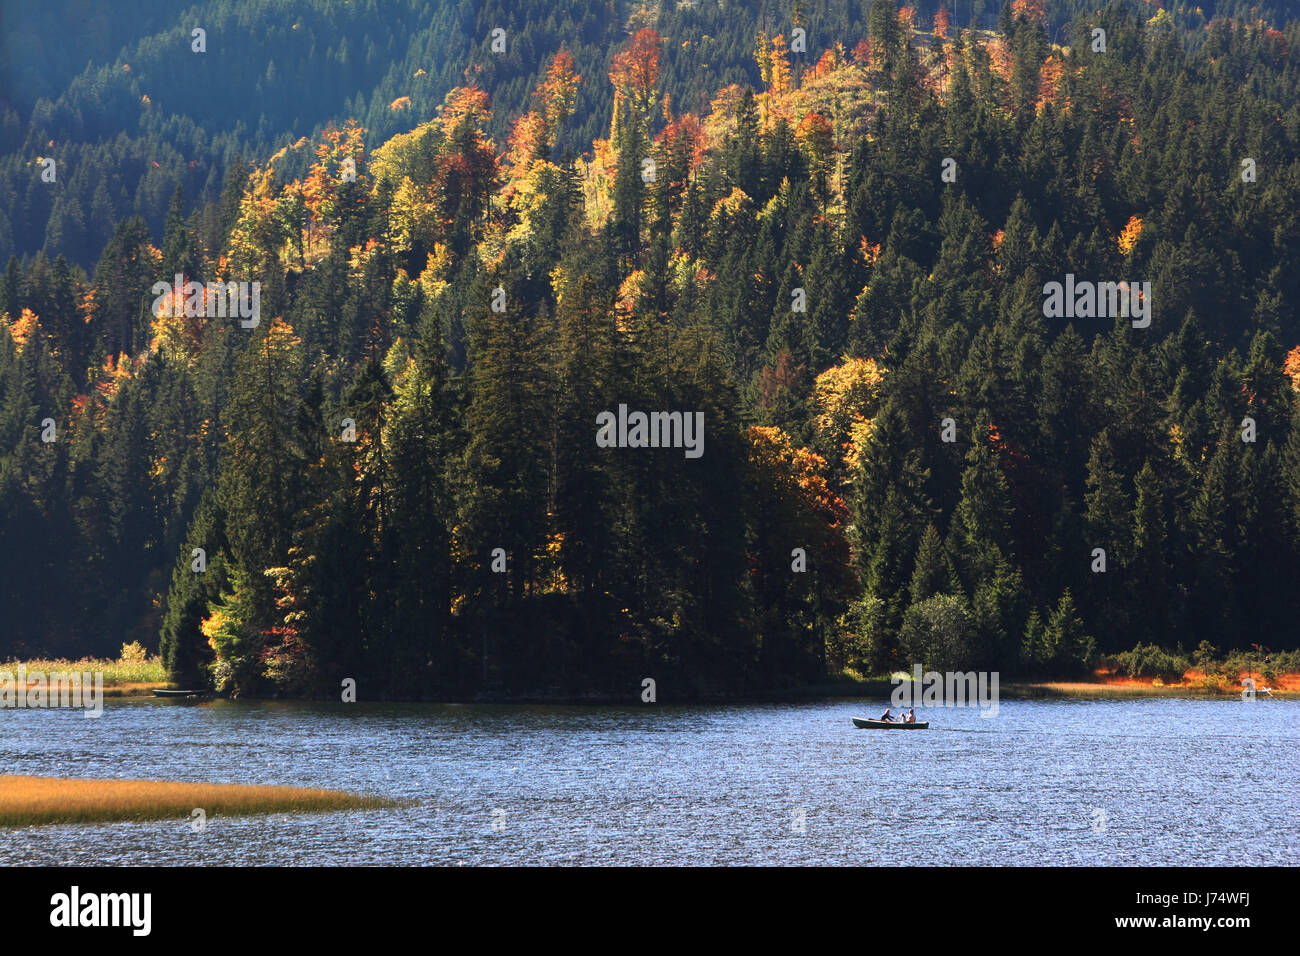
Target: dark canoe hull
{"points": [[862, 722], [180, 693]]}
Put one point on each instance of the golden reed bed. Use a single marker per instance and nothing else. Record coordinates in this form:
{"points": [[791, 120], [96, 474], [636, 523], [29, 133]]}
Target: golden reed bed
{"points": [[27, 801]]}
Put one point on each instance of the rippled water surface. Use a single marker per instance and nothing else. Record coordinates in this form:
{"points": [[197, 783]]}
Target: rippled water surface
{"points": [[1150, 781]]}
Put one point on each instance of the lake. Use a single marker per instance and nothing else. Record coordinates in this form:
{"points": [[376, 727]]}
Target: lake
{"points": [[1095, 782]]}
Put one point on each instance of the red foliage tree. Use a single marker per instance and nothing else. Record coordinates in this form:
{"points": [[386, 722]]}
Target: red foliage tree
{"points": [[636, 69], [1033, 9], [942, 22]]}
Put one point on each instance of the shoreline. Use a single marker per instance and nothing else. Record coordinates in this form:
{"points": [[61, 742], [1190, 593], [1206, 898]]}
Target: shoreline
{"points": [[866, 690], [1103, 685]]}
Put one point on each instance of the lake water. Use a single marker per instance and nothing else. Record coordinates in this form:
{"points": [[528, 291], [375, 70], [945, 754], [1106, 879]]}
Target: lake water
{"points": [[1149, 781]]}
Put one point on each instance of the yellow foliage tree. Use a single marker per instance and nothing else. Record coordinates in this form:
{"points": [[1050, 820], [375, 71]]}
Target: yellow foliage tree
{"points": [[763, 54], [779, 80], [1129, 237], [557, 92], [846, 397], [22, 328]]}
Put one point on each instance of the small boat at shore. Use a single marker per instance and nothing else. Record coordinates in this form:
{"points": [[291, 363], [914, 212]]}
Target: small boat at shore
{"points": [[865, 724], [162, 692]]}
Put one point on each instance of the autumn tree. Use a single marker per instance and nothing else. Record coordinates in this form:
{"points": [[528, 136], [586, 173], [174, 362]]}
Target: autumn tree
{"points": [[556, 94], [942, 22], [634, 73]]}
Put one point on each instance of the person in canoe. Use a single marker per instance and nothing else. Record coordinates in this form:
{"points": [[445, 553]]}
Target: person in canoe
{"points": [[911, 716], [888, 716]]}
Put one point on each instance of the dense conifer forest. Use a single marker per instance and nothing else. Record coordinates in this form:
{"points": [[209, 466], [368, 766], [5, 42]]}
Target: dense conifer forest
{"points": [[828, 232]]}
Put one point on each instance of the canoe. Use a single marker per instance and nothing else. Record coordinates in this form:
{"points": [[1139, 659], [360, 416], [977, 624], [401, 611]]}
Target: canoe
{"points": [[888, 724], [179, 693]]}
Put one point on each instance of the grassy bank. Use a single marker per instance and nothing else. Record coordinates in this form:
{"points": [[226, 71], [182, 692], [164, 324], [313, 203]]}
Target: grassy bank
{"points": [[133, 674], [1105, 682], [30, 801], [1105, 689]]}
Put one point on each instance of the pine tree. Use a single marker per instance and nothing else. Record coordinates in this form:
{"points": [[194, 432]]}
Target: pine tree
{"points": [[1072, 650], [262, 465], [1146, 571], [933, 572], [182, 645], [180, 256]]}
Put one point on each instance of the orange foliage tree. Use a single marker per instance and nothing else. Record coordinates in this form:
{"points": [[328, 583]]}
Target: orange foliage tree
{"points": [[635, 71], [1049, 81], [1291, 367], [334, 186], [802, 468], [829, 62], [942, 22], [556, 93], [461, 103], [528, 140], [1033, 9]]}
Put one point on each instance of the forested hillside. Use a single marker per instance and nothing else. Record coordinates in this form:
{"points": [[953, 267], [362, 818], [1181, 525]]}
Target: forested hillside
{"points": [[837, 257], [118, 96]]}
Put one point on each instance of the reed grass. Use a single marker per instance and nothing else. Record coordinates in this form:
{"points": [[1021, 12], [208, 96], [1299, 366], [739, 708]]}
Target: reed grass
{"points": [[129, 669], [31, 801]]}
